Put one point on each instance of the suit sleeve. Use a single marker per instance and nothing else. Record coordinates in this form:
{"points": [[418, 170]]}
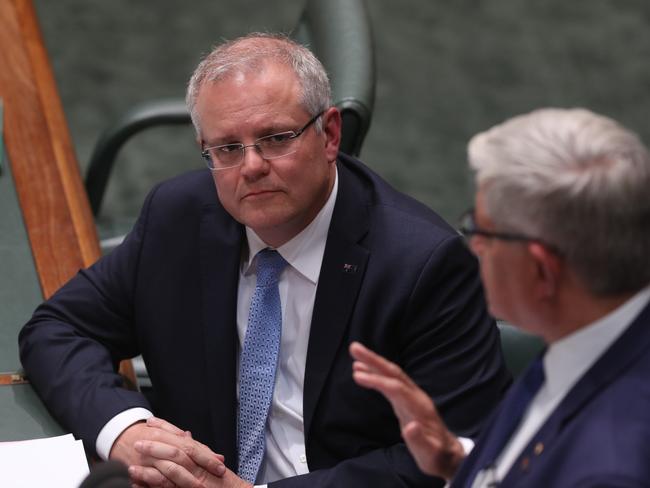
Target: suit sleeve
{"points": [[72, 345], [447, 342], [385, 468]]}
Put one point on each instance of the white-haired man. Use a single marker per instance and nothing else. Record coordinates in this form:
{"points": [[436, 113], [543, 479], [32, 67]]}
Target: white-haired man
{"points": [[562, 230]]}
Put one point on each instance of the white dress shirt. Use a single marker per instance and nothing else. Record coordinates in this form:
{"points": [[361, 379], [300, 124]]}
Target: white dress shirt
{"points": [[565, 362], [285, 439]]}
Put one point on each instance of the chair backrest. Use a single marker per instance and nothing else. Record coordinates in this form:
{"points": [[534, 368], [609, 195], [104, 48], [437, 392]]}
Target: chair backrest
{"points": [[337, 31], [519, 347]]}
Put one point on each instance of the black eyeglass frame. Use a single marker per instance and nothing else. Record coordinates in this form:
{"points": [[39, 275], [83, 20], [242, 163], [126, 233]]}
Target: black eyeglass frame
{"points": [[468, 228], [242, 147]]}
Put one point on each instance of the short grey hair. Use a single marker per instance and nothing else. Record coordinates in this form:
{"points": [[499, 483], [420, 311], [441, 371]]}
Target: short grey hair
{"points": [[576, 180], [249, 53]]}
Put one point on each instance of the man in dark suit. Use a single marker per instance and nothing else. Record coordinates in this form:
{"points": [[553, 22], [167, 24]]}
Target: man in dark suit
{"points": [[358, 261], [561, 229]]}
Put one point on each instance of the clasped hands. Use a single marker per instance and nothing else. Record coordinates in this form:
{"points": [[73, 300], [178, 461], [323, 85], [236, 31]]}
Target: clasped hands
{"points": [[159, 454], [436, 450]]}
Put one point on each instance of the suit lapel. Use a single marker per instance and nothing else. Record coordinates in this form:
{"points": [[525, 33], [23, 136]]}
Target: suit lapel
{"points": [[220, 243], [341, 275], [625, 351]]}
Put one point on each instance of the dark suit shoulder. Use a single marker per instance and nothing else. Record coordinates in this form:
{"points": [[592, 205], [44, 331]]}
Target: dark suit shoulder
{"points": [[607, 445], [193, 188], [390, 210], [181, 200]]}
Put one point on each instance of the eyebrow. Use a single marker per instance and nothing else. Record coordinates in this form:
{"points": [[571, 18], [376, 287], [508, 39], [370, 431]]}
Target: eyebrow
{"points": [[272, 128]]}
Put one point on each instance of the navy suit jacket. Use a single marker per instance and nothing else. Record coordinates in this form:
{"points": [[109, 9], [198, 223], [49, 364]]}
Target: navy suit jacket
{"points": [[599, 435], [394, 276]]}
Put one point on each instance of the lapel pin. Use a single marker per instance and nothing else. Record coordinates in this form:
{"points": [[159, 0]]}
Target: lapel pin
{"points": [[350, 268]]}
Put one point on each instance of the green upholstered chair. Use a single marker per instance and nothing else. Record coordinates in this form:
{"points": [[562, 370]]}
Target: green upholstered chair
{"points": [[519, 347], [338, 32]]}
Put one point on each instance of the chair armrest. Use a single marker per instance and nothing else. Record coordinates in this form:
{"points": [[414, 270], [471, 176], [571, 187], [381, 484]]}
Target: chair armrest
{"points": [[141, 117]]}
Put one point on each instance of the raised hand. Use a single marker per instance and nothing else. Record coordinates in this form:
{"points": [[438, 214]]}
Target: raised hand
{"points": [[435, 449]]}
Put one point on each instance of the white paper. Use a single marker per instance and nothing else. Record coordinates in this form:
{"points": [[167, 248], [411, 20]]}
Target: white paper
{"points": [[51, 462]]}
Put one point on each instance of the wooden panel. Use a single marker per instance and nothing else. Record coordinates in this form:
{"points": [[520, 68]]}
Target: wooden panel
{"points": [[46, 174]]}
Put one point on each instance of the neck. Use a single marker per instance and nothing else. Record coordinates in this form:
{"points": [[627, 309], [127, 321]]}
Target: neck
{"points": [[579, 309]]}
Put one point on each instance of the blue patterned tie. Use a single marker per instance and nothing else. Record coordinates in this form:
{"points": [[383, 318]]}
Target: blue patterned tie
{"points": [[511, 411], [259, 359]]}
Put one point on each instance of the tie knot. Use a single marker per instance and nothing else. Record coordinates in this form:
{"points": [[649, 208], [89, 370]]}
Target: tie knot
{"points": [[269, 266]]}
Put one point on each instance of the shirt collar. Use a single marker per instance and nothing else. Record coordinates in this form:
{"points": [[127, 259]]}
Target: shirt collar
{"points": [[569, 358], [305, 251]]}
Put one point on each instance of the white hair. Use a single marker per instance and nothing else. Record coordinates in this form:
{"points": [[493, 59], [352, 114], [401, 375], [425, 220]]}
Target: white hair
{"points": [[576, 180], [248, 54]]}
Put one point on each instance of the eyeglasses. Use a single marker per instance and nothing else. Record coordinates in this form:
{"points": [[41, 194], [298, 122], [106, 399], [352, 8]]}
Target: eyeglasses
{"points": [[273, 146], [468, 228]]}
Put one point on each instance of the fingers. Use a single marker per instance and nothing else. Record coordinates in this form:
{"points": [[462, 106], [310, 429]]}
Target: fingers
{"points": [[188, 455], [389, 387], [434, 448], [166, 426], [172, 429], [370, 370], [203, 457], [165, 475], [163, 460], [163, 456], [408, 400], [367, 360]]}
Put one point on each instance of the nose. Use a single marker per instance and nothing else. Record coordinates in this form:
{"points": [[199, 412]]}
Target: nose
{"points": [[253, 164]]}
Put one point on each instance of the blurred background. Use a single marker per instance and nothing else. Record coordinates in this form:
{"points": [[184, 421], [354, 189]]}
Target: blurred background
{"points": [[445, 70]]}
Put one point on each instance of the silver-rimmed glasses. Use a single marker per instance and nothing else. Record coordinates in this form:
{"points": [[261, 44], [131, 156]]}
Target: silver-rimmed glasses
{"points": [[468, 228], [273, 146]]}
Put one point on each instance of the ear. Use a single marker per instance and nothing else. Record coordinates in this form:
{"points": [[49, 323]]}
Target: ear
{"points": [[332, 131], [548, 268]]}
